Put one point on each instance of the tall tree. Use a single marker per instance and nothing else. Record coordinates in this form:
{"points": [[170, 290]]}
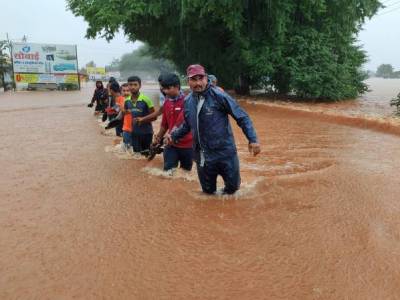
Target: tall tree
{"points": [[141, 60], [385, 71], [304, 47], [91, 64], [113, 66]]}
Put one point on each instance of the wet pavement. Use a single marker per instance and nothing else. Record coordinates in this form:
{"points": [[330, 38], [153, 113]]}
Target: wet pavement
{"points": [[317, 216]]}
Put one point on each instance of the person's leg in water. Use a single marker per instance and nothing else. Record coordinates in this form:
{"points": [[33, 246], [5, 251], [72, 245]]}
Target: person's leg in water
{"points": [[185, 156], [145, 142], [207, 177], [118, 130], [230, 172], [98, 108], [170, 158], [127, 139], [136, 142]]}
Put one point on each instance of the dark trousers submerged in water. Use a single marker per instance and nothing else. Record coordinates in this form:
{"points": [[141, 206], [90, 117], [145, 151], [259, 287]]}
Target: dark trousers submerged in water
{"points": [[141, 142], [118, 130], [174, 156], [228, 169]]}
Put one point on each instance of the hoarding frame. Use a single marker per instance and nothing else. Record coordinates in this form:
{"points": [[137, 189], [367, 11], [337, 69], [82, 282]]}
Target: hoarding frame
{"points": [[45, 73]]}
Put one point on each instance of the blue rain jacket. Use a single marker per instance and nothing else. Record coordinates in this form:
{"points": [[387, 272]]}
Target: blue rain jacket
{"points": [[211, 130]]}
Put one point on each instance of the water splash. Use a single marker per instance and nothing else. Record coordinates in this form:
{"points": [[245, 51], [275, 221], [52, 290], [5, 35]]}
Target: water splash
{"points": [[118, 148], [247, 190], [108, 132], [121, 152], [171, 174]]}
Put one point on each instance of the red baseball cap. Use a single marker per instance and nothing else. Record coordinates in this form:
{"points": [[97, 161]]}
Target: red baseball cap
{"points": [[194, 70]]}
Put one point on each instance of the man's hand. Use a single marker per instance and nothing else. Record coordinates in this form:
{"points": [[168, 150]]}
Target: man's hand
{"points": [[157, 139], [90, 105], [139, 120], [168, 139], [254, 148]]}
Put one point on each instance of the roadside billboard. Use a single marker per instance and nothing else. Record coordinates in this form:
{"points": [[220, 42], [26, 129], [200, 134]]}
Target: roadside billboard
{"points": [[44, 64], [44, 58], [45, 78], [96, 73]]}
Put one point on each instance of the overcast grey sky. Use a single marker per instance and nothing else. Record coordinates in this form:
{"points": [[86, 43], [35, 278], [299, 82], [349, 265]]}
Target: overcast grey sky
{"points": [[381, 36], [48, 21]]}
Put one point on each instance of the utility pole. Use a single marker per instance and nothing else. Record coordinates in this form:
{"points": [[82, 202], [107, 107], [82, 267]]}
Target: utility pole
{"points": [[77, 67], [10, 47], [3, 63]]}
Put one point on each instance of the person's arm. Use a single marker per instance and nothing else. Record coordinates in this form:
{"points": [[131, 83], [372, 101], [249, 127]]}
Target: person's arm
{"points": [[119, 105], [105, 98], [105, 95], [152, 116], [159, 136], [243, 120], [147, 119], [163, 130], [161, 99], [125, 109], [116, 107], [93, 99], [182, 130]]}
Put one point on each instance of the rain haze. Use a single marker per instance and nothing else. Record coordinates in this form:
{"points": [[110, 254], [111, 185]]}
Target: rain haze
{"points": [[49, 21]]}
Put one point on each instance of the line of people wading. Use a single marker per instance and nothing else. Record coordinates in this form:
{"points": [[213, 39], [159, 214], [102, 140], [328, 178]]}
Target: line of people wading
{"points": [[195, 127]]}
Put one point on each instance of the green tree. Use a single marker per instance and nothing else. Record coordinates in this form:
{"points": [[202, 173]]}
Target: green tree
{"points": [[91, 64], [304, 47], [385, 71], [141, 61], [396, 74], [113, 66]]}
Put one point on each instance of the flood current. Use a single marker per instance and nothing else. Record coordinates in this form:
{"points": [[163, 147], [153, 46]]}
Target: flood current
{"points": [[317, 216]]}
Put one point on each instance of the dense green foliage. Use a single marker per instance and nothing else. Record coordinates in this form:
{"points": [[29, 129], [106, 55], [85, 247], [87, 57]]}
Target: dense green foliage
{"points": [[385, 71], [140, 61], [303, 47]]}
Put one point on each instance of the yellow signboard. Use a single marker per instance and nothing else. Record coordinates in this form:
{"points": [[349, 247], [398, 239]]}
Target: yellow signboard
{"points": [[26, 78], [71, 78], [23, 78], [96, 70]]}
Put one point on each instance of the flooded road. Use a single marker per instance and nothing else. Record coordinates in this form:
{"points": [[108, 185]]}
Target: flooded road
{"points": [[371, 110], [317, 216]]}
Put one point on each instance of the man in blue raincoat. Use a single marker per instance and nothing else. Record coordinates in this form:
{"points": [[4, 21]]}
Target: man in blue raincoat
{"points": [[206, 114]]}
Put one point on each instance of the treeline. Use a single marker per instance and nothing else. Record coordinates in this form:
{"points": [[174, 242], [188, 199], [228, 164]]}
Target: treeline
{"points": [[387, 71], [141, 62], [306, 48]]}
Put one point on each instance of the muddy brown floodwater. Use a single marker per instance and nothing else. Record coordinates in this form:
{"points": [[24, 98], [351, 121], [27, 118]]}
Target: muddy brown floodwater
{"points": [[318, 216]]}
